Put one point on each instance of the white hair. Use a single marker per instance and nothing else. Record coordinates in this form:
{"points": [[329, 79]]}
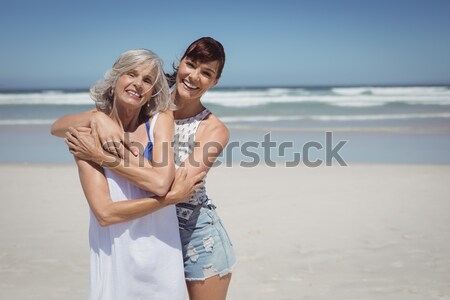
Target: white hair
{"points": [[103, 91]]}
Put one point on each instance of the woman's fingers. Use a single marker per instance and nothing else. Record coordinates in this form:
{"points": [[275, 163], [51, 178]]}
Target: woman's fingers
{"points": [[70, 144], [196, 188], [110, 143], [198, 182], [106, 142], [118, 143], [94, 129], [180, 174], [110, 146], [129, 146], [199, 177], [103, 142], [183, 173], [73, 132], [73, 149], [84, 130], [120, 150], [70, 137]]}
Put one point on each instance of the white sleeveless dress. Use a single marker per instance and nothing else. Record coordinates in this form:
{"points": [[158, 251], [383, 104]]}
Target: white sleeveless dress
{"points": [[139, 259]]}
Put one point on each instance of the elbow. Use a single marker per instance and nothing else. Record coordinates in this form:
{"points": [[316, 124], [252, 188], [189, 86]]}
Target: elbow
{"points": [[161, 191], [104, 219], [103, 222], [54, 130], [162, 187]]}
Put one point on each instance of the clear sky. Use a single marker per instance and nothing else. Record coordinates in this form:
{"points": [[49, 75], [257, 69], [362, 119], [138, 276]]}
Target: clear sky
{"points": [[70, 44]]}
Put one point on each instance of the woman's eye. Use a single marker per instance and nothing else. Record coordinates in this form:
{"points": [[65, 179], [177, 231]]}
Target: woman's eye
{"points": [[131, 74], [207, 74]]}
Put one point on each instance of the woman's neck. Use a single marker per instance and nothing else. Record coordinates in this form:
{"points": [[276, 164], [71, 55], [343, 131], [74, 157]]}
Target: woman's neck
{"points": [[127, 119], [186, 107]]}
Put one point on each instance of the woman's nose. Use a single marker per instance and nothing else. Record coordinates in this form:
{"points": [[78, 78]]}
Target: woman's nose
{"points": [[138, 83], [195, 76]]}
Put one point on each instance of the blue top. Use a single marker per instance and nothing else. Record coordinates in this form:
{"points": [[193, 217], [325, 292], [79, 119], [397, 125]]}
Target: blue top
{"points": [[148, 149]]}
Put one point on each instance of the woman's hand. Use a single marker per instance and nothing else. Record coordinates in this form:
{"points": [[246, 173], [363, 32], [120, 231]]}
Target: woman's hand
{"points": [[183, 187], [84, 143], [111, 135]]}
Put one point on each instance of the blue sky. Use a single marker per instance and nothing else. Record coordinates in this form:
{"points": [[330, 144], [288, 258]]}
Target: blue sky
{"points": [[70, 44]]}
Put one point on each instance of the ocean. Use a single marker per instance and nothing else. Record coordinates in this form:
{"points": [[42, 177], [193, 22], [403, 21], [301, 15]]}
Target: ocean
{"points": [[297, 126]]}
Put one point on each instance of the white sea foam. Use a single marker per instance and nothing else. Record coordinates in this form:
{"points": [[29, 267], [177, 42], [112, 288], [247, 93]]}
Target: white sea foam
{"points": [[26, 122], [47, 97], [351, 97], [346, 97], [350, 91], [392, 91], [243, 119], [417, 90], [351, 101]]}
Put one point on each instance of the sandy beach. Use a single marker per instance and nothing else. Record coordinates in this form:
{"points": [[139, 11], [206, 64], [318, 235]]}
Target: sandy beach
{"points": [[356, 232]]}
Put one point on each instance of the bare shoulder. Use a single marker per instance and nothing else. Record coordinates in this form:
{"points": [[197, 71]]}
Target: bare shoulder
{"points": [[166, 115], [164, 123], [212, 128]]}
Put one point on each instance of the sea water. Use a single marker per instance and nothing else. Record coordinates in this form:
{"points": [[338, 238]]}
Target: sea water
{"points": [[372, 124]]}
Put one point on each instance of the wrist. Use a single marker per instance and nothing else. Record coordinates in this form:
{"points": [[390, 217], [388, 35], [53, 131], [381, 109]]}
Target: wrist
{"points": [[98, 162], [169, 199], [109, 161], [99, 159]]}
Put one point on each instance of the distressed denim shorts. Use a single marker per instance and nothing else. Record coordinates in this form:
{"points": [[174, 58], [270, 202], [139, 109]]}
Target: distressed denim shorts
{"points": [[207, 249]]}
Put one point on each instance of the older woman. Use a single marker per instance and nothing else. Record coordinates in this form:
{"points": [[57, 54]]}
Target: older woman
{"points": [[134, 239]]}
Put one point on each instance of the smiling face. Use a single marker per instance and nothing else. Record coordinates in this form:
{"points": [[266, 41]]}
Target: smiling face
{"points": [[194, 78], [134, 88]]}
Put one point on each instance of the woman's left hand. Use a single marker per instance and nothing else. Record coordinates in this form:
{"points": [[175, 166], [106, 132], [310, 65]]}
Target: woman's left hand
{"points": [[85, 144], [183, 186]]}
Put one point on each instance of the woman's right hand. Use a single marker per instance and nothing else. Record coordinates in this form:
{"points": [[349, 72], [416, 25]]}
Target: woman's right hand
{"points": [[83, 143], [110, 134], [183, 187]]}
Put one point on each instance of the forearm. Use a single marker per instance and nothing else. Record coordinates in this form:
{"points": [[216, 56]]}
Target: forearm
{"points": [[61, 126], [129, 210], [155, 176], [106, 211], [140, 172]]}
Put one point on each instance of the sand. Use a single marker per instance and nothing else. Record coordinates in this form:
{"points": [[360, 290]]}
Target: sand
{"points": [[357, 232]]}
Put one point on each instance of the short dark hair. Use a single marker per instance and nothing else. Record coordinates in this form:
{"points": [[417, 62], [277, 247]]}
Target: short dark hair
{"points": [[205, 49]]}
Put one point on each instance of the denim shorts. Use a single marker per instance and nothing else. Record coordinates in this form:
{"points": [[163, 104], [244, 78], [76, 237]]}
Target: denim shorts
{"points": [[207, 249]]}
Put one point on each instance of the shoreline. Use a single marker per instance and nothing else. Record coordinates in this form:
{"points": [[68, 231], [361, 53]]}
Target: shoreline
{"points": [[34, 144]]}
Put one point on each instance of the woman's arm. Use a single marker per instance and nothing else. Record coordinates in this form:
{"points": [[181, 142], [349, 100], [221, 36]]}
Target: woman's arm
{"points": [[155, 176], [110, 133], [96, 190], [61, 126], [212, 136]]}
